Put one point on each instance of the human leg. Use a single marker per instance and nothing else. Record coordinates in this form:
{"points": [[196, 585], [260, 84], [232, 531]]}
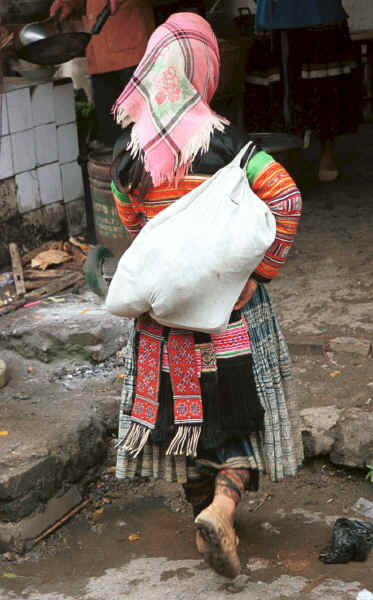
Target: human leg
{"points": [[328, 170], [199, 492], [230, 485], [330, 88], [216, 538]]}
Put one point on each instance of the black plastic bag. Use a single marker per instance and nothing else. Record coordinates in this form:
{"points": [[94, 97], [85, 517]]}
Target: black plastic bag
{"points": [[352, 540]]}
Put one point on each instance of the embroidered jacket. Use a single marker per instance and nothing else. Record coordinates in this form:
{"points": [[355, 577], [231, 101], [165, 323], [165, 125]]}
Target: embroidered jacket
{"points": [[268, 179]]}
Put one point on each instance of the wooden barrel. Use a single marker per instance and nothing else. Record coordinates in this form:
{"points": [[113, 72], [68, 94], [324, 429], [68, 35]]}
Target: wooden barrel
{"points": [[109, 229]]}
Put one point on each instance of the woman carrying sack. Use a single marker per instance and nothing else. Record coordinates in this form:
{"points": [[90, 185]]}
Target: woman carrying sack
{"points": [[210, 411]]}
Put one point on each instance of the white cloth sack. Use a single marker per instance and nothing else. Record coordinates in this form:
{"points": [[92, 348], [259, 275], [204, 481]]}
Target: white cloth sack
{"points": [[189, 264]]}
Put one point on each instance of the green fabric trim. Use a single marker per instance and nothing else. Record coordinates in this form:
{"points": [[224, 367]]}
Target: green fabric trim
{"points": [[257, 164], [121, 196]]}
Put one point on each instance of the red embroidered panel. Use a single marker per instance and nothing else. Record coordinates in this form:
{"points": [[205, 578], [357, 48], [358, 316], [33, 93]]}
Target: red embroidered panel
{"points": [[184, 378], [145, 406]]}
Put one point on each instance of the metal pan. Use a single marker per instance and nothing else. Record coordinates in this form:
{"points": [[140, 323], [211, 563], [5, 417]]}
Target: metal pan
{"points": [[56, 48]]}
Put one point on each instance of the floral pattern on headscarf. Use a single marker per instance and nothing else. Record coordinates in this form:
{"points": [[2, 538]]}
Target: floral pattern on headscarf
{"points": [[168, 97]]}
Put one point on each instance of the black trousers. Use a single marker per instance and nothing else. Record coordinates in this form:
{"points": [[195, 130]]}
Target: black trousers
{"points": [[106, 87]]}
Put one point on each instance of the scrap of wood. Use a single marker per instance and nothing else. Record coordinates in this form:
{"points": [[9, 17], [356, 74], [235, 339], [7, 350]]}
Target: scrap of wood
{"points": [[51, 245], [47, 290], [50, 257], [12, 306], [55, 286], [84, 247], [34, 284], [17, 269], [75, 266], [78, 255], [263, 500], [61, 521], [49, 274]]}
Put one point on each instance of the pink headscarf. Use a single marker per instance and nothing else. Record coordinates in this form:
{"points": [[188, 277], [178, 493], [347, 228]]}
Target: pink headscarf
{"points": [[168, 97]]}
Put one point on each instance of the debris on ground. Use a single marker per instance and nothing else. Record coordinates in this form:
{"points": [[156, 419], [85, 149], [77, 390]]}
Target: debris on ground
{"points": [[50, 257], [261, 502], [270, 528], [106, 368], [55, 253], [17, 269], [364, 595], [352, 540], [364, 507], [60, 522], [42, 272], [256, 564]]}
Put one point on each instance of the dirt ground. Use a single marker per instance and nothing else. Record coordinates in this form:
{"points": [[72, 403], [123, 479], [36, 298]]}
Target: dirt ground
{"points": [[282, 529], [325, 291], [326, 288]]}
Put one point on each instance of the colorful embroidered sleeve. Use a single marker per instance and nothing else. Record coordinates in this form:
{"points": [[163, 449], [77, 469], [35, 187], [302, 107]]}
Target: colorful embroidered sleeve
{"points": [[129, 217], [272, 183]]}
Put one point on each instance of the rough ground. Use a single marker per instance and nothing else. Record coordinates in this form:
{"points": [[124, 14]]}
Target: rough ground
{"points": [[136, 540], [326, 288], [325, 291]]}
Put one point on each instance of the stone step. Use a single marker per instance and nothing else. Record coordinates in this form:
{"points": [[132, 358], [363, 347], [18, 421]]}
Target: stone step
{"points": [[77, 327]]}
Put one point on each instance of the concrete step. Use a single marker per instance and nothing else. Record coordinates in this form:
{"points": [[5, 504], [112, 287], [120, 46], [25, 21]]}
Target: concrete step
{"points": [[74, 327]]}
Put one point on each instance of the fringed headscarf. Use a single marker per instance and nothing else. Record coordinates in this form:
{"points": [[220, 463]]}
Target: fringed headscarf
{"points": [[168, 97]]}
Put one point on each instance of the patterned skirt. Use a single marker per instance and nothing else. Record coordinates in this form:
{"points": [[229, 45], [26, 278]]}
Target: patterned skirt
{"points": [[276, 449], [304, 79]]}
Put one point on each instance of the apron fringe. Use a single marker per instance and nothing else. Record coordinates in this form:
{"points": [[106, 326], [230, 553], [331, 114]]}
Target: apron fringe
{"points": [[185, 441]]}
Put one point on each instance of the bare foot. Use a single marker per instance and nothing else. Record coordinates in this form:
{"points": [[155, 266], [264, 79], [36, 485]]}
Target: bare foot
{"points": [[328, 170]]}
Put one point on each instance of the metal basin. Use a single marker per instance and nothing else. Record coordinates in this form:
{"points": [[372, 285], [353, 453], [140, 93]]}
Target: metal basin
{"points": [[34, 32], [284, 147]]}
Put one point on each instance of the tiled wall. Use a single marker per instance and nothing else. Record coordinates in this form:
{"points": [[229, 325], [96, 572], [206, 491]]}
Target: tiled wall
{"points": [[38, 152]]}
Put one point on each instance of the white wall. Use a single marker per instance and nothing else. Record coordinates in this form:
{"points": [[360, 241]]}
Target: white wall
{"points": [[39, 152]]}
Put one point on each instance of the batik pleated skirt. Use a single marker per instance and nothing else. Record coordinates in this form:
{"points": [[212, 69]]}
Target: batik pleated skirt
{"points": [[275, 448]]}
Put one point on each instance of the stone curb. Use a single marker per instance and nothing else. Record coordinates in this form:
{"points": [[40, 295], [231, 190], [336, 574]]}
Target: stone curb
{"points": [[345, 435], [318, 345], [323, 435]]}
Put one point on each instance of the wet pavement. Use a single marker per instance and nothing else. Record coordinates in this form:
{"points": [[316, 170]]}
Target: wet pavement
{"points": [[137, 541]]}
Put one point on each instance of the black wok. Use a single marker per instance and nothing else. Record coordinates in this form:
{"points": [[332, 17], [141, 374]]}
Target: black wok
{"points": [[61, 47]]}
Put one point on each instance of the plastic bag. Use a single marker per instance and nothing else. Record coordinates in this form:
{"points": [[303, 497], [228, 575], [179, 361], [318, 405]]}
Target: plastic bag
{"points": [[352, 540], [189, 264]]}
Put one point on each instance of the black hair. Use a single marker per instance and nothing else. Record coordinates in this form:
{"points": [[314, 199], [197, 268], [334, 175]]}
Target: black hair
{"points": [[130, 173]]}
